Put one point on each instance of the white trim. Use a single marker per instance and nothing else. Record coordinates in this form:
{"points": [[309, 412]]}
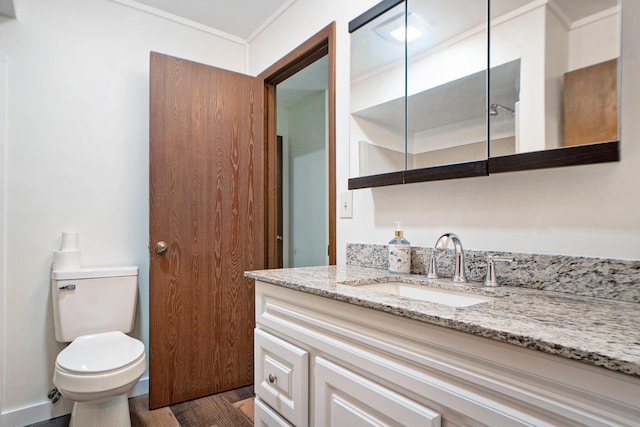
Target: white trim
{"points": [[270, 20], [517, 12], [45, 410], [596, 17], [553, 7], [180, 20]]}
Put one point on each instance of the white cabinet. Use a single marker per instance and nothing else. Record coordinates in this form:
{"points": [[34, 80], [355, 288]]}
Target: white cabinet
{"points": [[337, 364], [281, 376], [264, 416], [343, 398]]}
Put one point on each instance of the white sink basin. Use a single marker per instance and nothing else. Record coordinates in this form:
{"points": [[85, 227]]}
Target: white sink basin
{"points": [[438, 296]]}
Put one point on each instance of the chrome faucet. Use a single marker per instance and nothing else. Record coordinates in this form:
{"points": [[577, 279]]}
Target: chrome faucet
{"points": [[441, 244]]}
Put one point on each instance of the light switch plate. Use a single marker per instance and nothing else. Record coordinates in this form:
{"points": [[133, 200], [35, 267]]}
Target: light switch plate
{"points": [[346, 204]]}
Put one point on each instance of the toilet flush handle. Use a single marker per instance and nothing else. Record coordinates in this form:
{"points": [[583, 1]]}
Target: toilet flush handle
{"points": [[161, 247]]}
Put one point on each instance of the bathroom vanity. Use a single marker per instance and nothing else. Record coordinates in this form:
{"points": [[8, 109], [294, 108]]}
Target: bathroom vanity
{"points": [[332, 351]]}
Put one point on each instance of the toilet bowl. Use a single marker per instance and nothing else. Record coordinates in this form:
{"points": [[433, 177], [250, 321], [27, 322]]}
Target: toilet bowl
{"points": [[96, 372], [93, 310]]}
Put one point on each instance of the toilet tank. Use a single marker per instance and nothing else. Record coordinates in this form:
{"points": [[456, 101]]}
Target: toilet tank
{"points": [[93, 300]]}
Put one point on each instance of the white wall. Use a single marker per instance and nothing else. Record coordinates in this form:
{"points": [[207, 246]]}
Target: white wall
{"points": [[586, 210], [595, 40], [3, 212], [303, 130], [508, 43], [307, 185], [77, 160]]}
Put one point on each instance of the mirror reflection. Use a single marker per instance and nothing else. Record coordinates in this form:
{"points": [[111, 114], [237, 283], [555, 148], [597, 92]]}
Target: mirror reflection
{"points": [[446, 75], [440, 116], [419, 85], [377, 104], [559, 87]]}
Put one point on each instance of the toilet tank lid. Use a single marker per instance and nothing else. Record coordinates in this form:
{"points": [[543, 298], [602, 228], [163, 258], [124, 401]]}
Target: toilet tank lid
{"points": [[94, 272]]}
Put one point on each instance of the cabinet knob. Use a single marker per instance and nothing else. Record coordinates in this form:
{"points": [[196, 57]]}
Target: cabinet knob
{"points": [[271, 378]]}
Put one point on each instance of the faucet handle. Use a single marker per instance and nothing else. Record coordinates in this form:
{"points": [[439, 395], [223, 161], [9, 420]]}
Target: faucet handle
{"points": [[491, 279], [431, 270]]}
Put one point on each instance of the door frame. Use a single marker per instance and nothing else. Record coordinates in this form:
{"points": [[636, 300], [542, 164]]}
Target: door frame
{"points": [[317, 46]]}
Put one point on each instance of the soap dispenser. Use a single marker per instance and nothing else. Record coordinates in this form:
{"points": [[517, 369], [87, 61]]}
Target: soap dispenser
{"points": [[399, 253]]}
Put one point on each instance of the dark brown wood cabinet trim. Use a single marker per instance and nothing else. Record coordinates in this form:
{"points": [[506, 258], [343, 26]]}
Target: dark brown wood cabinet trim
{"points": [[372, 14], [438, 173], [380, 180], [566, 156]]}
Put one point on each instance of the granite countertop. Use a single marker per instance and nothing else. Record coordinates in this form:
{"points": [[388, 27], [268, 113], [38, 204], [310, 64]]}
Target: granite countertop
{"points": [[597, 331]]}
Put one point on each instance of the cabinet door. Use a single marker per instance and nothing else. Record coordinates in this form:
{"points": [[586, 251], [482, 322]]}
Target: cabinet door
{"points": [[282, 377], [343, 398], [264, 416]]}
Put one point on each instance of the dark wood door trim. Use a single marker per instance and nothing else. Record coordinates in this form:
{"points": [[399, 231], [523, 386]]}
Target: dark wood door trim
{"points": [[280, 238], [321, 44]]}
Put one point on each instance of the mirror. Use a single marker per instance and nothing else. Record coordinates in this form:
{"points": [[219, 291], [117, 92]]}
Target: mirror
{"points": [[420, 110], [377, 103], [446, 82], [421, 104], [561, 87]]}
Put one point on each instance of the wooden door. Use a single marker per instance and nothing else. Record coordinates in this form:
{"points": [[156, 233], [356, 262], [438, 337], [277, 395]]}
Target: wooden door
{"points": [[591, 104], [207, 204]]}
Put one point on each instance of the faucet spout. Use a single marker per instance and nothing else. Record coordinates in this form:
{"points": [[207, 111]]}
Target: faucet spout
{"points": [[459, 275]]}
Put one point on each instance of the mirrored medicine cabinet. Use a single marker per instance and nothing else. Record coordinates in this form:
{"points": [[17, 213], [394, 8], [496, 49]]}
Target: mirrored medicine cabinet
{"points": [[463, 88]]}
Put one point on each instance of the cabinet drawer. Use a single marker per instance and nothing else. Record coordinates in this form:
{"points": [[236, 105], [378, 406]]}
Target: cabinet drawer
{"points": [[282, 377], [264, 416], [343, 398]]}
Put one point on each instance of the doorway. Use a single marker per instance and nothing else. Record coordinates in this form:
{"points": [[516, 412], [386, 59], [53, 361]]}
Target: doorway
{"points": [[301, 102], [318, 51]]}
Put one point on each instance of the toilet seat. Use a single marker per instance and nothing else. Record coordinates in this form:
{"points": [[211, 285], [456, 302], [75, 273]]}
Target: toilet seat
{"points": [[100, 365], [100, 353]]}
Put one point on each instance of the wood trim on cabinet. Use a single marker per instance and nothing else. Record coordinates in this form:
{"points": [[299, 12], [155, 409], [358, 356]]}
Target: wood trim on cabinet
{"points": [[372, 14], [566, 156], [437, 173], [379, 180], [321, 44]]}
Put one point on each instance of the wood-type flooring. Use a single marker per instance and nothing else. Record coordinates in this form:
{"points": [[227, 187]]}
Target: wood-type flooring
{"points": [[233, 408]]}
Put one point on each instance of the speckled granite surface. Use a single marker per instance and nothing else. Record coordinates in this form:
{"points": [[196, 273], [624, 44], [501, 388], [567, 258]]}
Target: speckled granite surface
{"points": [[601, 332], [593, 277]]}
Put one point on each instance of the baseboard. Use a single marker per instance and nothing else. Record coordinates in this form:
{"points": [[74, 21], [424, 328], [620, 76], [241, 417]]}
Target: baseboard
{"points": [[45, 410]]}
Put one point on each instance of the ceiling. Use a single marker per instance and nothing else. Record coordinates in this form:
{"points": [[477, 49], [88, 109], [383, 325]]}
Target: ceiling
{"points": [[244, 18], [240, 18]]}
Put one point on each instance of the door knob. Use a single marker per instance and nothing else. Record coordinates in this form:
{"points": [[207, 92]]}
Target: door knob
{"points": [[161, 247]]}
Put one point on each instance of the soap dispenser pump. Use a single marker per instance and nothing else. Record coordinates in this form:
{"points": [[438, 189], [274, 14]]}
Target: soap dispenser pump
{"points": [[399, 253]]}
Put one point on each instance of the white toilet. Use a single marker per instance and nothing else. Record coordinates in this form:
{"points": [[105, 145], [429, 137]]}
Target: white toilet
{"points": [[94, 308]]}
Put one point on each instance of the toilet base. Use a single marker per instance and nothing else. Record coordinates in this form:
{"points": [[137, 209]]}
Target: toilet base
{"points": [[112, 412]]}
